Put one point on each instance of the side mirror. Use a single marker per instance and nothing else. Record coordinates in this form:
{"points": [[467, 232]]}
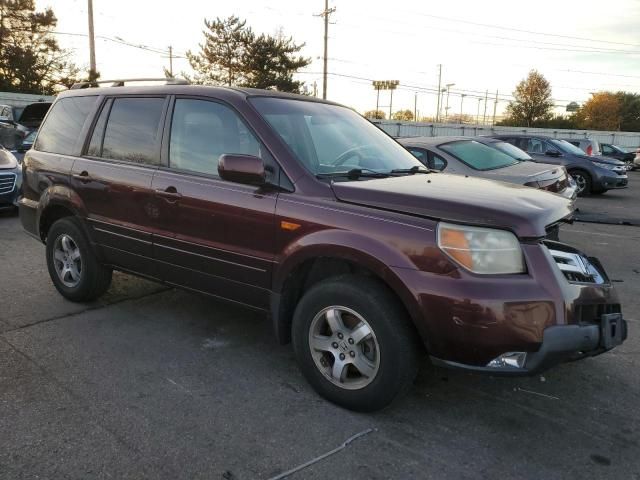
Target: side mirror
{"points": [[246, 169], [552, 153]]}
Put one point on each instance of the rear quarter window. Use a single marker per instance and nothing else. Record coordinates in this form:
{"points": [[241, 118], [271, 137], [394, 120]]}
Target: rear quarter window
{"points": [[63, 125]]}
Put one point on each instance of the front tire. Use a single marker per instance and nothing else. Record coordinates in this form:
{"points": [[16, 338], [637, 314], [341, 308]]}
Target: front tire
{"points": [[72, 264], [583, 182], [354, 343]]}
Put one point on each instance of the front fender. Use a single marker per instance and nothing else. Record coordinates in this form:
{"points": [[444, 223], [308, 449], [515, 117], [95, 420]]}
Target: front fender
{"points": [[365, 251]]}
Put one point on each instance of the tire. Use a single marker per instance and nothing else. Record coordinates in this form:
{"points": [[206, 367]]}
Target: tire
{"points": [[389, 353], [583, 181], [72, 264]]}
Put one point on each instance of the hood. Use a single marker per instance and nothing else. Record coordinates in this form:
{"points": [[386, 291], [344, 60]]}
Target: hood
{"points": [[603, 159], [526, 211], [7, 160], [524, 172], [33, 114]]}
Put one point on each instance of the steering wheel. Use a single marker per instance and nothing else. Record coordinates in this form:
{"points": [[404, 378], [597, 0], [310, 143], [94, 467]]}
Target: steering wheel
{"points": [[347, 154]]}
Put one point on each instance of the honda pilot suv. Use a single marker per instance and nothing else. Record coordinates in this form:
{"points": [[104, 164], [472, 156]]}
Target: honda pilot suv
{"points": [[365, 260]]}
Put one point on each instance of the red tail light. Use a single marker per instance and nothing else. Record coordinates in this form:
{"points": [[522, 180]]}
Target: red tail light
{"points": [[589, 150]]}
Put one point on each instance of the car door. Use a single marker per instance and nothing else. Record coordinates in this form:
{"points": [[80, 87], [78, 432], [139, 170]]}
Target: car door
{"points": [[113, 178], [213, 236]]}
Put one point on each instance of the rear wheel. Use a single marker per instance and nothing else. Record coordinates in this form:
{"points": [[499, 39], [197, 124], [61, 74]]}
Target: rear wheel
{"points": [[72, 264], [354, 343], [583, 182]]}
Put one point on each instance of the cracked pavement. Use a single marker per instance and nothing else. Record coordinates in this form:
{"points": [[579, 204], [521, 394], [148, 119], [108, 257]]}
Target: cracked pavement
{"points": [[151, 382]]}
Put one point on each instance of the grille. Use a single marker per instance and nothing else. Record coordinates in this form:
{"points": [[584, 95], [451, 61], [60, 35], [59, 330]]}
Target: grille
{"points": [[575, 266], [7, 182]]}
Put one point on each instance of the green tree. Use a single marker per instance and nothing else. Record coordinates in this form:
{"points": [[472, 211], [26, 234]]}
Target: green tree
{"points": [[233, 55], [31, 61], [532, 101], [629, 111], [403, 115], [376, 114], [222, 55], [270, 63]]}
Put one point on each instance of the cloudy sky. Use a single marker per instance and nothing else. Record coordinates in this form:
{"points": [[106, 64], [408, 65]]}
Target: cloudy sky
{"points": [[580, 46]]}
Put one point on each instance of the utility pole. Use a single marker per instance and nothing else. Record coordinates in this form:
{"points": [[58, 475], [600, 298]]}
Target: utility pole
{"points": [[478, 112], [391, 104], [325, 14], [377, 100], [93, 74], [415, 107], [315, 88], [484, 117], [461, 102], [446, 109], [171, 61], [495, 107], [439, 88]]}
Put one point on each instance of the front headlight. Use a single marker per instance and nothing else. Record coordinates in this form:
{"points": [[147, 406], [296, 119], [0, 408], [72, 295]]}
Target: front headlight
{"points": [[607, 166], [481, 250]]}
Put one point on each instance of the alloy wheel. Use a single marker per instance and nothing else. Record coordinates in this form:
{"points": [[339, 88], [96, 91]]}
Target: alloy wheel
{"points": [[344, 347], [581, 182], [67, 261]]}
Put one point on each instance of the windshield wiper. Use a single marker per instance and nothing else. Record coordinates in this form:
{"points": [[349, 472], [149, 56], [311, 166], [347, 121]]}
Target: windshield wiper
{"points": [[355, 173], [413, 170]]}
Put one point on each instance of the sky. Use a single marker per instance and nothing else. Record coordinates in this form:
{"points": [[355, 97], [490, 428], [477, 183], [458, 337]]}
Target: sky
{"points": [[579, 46]]}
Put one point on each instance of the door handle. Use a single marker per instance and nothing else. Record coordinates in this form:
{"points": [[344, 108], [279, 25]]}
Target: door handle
{"points": [[170, 194], [83, 177]]}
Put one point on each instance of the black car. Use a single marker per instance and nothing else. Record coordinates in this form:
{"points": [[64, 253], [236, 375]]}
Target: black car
{"points": [[593, 174], [17, 122], [24, 146], [619, 153]]}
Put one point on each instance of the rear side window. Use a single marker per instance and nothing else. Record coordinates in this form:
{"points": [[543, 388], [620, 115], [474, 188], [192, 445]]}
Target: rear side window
{"points": [[132, 133], [62, 128]]}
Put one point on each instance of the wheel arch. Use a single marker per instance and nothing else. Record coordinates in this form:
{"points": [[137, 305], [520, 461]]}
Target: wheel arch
{"points": [[57, 202], [313, 263]]}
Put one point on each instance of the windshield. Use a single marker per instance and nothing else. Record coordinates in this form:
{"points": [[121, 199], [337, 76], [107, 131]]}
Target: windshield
{"points": [[329, 139], [566, 147], [478, 155], [30, 138], [511, 150]]}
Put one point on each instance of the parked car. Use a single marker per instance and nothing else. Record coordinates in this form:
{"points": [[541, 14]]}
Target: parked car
{"points": [[17, 122], [10, 180], [593, 175], [303, 209], [25, 145], [636, 160], [619, 153], [486, 157], [587, 145]]}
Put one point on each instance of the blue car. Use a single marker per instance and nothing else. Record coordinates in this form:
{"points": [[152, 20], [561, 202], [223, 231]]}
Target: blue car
{"points": [[592, 174], [10, 180]]}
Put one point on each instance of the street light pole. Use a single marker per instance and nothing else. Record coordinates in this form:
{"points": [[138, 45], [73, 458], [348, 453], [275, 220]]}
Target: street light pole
{"points": [[446, 109], [439, 90], [478, 112], [461, 102]]}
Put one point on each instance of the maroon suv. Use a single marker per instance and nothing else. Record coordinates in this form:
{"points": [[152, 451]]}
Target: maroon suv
{"points": [[300, 208]]}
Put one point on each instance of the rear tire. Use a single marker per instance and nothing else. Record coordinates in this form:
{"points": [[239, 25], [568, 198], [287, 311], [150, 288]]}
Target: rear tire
{"points": [[583, 182], [72, 264], [354, 343]]}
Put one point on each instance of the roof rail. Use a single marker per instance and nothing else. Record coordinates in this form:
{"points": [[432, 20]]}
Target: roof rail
{"points": [[121, 82]]}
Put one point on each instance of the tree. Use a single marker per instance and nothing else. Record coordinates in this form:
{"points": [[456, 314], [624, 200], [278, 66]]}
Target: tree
{"points": [[30, 58], [376, 114], [629, 111], [600, 112], [532, 101], [270, 63], [233, 55], [403, 115], [221, 57]]}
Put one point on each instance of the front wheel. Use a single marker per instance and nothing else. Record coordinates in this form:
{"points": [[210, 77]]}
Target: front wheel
{"points": [[72, 264], [354, 343], [583, 182]]}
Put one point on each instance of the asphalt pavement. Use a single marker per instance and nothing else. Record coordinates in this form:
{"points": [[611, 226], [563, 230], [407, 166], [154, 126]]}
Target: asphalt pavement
{"points": [[158, 383]]}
